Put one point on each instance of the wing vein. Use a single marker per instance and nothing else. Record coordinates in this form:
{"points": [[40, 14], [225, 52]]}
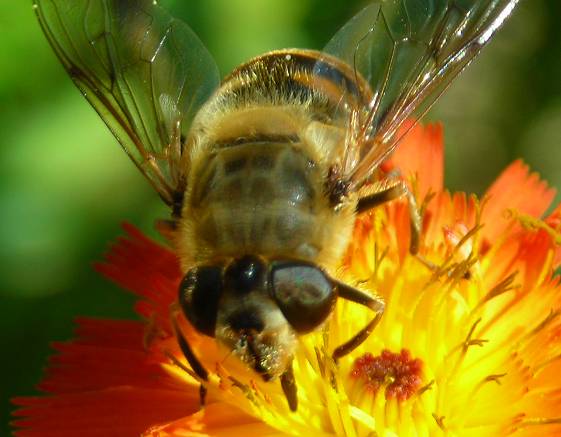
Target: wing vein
{"points": [[124, 55], [409, 52]]}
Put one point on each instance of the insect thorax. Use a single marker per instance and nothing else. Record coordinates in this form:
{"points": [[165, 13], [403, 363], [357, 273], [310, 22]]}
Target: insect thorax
{"points": [[262, 148]]}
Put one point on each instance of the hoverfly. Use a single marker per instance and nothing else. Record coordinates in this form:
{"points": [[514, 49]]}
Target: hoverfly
{"points": [[266, 171]]}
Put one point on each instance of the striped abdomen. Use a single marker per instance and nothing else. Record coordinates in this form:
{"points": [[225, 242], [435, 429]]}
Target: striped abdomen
{"points": [[259, 198]]}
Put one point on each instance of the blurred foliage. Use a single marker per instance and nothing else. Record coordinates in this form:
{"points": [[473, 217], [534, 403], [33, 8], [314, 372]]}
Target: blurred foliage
{"points": [[66, 185]]}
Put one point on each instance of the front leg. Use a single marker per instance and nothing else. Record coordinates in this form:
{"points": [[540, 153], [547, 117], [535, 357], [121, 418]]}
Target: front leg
{"points": [[374, 303], [193, 361]]}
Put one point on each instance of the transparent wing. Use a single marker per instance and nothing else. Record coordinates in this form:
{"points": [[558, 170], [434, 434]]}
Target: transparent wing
{"points": [[409, 51], [144, 72]]}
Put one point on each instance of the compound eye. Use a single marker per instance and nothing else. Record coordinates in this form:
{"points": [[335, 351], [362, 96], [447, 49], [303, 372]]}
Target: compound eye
{"points": [[304, 294], [199, 293]]}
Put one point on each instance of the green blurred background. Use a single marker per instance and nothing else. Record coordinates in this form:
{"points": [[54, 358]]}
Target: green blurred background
{"points": [[66, 186]]}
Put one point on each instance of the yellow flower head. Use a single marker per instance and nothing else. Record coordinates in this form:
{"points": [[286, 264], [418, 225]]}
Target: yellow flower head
{"points": [[469, 343]]}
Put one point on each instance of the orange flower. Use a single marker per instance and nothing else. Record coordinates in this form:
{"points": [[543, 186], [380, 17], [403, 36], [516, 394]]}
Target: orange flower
{"points": [[469, 344]]}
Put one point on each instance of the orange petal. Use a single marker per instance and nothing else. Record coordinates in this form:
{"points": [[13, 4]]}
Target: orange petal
{"points": [[105, 384], [527, 253], [518, 189], [445, 211], [554, 222], [112, 412], [398, 216], [147, 269], [106, 353], [420, 155]]}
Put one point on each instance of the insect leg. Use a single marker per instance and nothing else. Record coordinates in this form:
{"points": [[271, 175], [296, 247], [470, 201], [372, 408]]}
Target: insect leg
{"points": [[193, 361], [390, 191], [289, 388], [375, 303]]}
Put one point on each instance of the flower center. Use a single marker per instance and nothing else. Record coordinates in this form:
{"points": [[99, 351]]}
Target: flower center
{"points": [[399, 373]]}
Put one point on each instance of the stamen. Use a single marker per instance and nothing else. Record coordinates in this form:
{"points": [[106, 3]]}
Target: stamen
{"points": [[179, 364], [541, 421], [400, 374], [439, 421], [502, 287], [378, 258], [425, 388], [544, 323], [473, 341], [533, 223], [245, 389], [495, 378]]}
